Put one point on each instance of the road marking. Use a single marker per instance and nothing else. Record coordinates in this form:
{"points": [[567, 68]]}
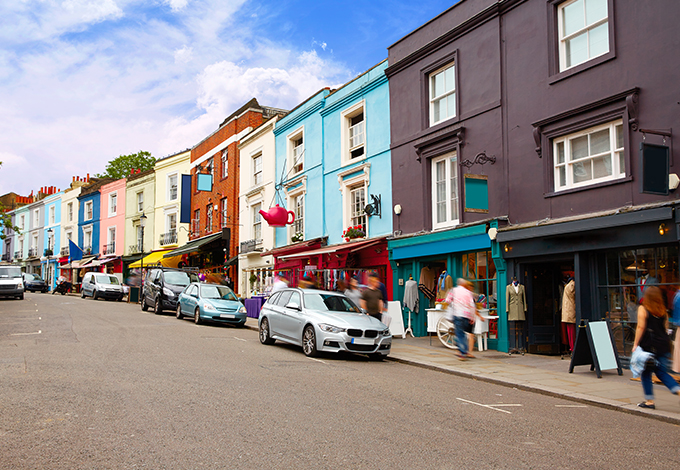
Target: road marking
{"points": [[25, 334], [317, 360], [240, 339], [571, 406], [492, 407]]}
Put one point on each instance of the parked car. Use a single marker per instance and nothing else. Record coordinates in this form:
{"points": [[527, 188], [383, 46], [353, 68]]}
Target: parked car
{"points": [[34, 283], [162, 287], [322, 321], [210, 302], [101, 285], [11, 282]]}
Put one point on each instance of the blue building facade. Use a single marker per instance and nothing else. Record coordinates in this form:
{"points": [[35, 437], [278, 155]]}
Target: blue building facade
{"points": [[52, 239], [88, 221]]}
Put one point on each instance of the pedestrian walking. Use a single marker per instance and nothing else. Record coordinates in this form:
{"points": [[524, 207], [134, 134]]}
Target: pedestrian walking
{"points": [[463, 310], [372, 298], [353, 292], [651, 336]]}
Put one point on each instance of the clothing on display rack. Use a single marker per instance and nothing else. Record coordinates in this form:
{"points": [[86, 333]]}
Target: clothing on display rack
{"points": [[411, 295], [426, 282], [444, 285]]}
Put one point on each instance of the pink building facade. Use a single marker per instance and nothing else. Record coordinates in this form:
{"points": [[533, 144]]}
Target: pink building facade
{"points": [[112, 227]]}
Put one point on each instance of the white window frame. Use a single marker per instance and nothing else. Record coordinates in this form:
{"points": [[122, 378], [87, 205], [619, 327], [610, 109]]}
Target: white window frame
{"points": [[209, 218], [140, 201], [113, 204], [614, 151], [346, 146], [449, 93], [224, 159], [348, 181], [296, 153], [224, 212], [22, 222], [168, 221], [87, 235], [257, 172], [69, 235], [586, 29], [34, 242], [169, 192], [256, 219], [139, 237], [111, 237], [88, 211], [69, 210], [449, 221], [52, 215], [293, 196], [36, 218]]}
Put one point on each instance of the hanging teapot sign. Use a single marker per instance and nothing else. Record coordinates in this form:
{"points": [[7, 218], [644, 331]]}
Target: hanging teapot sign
{"points": [[278, 216]]}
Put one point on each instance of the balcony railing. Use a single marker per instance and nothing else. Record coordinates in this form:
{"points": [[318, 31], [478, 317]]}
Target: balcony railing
{"points": [[64, 251], [48, 252], [5, 257], [134, 249], [169, 238], [32, 252], [87, 250], [18, 255], [110, 248]]}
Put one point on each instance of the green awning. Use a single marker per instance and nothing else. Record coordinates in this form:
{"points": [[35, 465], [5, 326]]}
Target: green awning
{"points": [[193, 245]]}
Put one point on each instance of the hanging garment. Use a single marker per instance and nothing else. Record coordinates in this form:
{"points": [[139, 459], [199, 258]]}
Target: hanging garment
{"points": [[444, 285], [515, 302], [426, 282], [569, 303], [411, 295]]}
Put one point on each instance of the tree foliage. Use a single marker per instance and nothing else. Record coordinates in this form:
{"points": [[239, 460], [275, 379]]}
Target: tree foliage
{"points": [[120, 167], [5, 221]]}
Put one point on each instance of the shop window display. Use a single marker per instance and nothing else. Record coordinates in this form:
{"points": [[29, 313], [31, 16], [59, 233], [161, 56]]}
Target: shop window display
{"points": [[481, 270]]}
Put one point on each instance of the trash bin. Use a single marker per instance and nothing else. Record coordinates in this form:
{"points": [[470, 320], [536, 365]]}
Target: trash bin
{"points": [[133, 296]]}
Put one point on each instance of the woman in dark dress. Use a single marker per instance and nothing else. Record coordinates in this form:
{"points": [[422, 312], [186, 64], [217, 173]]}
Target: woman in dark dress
{"points": [[652, 336]]}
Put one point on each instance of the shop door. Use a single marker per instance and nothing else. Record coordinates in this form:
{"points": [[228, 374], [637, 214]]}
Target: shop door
{"points": [[543, 308]]}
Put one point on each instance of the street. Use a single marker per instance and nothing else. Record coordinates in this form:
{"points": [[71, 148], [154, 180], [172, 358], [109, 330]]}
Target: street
{"points": [[97, 384]]}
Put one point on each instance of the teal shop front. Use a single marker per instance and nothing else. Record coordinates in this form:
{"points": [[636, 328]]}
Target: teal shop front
{"points": [[465, 252]]}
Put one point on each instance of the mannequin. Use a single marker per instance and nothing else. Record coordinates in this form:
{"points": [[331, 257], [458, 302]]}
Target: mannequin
{"points": [[569, 311], [516, 307], [410, 301]]}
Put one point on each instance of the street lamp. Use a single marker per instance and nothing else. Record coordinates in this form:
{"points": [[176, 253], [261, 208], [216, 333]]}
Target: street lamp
{"points": [[142, 224]]}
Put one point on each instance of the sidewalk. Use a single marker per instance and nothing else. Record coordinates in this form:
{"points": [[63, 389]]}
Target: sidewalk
{"points": [[542, 374], [548, 375]]}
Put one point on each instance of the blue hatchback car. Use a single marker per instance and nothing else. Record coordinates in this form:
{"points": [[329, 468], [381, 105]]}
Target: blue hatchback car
{"points": [[210, 302]]}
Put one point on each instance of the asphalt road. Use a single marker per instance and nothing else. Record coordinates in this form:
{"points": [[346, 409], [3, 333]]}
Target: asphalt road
{"points": [[97, 384]]}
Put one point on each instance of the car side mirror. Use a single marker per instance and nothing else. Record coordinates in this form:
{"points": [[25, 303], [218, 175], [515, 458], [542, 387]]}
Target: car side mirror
{"points": [[293, 306]]}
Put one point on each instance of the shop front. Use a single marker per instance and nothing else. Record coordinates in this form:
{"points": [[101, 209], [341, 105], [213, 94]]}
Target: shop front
{"points": [[611, 258]]}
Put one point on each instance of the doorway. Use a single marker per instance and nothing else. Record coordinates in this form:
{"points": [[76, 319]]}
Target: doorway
{"points": [[545, 285]]}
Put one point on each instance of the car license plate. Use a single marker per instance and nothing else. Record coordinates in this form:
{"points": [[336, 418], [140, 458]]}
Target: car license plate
{"points": [[227, 315], [363, 341]]}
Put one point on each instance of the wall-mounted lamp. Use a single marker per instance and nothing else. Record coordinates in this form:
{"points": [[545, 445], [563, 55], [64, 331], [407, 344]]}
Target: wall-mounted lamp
{"points": [[493, 231], [506, 248], [663, 230], [397, 209]]}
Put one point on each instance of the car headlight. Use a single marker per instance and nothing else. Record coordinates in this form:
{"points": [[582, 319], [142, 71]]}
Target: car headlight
{"points": [[207, 306], [386, 332], [242, 310], [331, 329], [168, 292]]}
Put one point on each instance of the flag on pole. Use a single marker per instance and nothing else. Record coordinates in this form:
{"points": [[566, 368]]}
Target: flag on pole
{"points": [[74, 253]]}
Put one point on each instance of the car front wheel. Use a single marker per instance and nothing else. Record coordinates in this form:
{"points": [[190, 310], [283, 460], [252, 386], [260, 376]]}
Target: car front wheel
{"points": [[144, 306], [178, 314], [265, 334], [309, 342], [197, 316], [157, 309], [95, 296]]}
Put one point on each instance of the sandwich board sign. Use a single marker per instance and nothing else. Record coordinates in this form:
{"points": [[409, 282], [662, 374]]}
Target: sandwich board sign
{"points": [[595, 346]]}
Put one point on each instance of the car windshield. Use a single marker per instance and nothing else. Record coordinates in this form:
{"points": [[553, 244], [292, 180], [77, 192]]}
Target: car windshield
{"points": [[33, 277], [10, 271], [180, 278], [217, 292], [330, 303], [104, 279]]}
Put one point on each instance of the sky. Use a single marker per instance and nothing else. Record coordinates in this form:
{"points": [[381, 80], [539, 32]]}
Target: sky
{"points": [[84, 81]]}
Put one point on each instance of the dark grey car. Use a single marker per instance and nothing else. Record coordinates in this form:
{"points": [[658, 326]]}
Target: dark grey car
{"points": [[162, 287]]}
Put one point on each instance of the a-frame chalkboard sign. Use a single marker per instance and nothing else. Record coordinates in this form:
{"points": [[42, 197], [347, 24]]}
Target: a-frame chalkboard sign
{"points": [[595, 346]]}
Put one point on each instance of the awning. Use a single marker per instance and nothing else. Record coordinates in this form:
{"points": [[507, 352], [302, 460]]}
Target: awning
{"points": [[193, 245], [351, 246], [151, 259], [102, 261]]}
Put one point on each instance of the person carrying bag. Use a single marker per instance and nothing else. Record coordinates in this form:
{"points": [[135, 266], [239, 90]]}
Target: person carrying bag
{"points": [[651, 336]]}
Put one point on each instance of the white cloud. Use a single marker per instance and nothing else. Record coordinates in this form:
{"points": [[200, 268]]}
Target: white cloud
{"points": [[177, 5], [183, 55]]}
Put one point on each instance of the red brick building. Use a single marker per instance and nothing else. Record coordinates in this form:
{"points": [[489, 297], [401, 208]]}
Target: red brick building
{"points": [[218, 209]]}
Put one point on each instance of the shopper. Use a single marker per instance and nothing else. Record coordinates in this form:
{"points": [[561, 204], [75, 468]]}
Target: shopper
{"points": [[652, 336], [463, 310], [372, 298], [353, 292]]}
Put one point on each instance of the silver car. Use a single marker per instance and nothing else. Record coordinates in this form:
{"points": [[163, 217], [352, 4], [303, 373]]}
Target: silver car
{"points": [[322, 321]]}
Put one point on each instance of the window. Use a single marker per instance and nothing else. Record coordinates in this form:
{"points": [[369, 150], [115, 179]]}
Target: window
{"points": [[171, 222], [445, 191], [296, 152], [88, 210], [22, 222], [140, 201], [442, 94], [583, 29], [36, 218], [209, 218], [298, 204], [225, 163], [590, 156], [111, 246], [257, 221], [69, 236], [357, 203], [223, 212], [196, 222], [87, 239], [52, 212], [257, 169], [113, 204], [172, 187], [353, 133], [209, 167], [140, 239], [69, 211]]}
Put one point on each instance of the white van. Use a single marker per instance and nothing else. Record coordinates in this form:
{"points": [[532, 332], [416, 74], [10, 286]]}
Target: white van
{"points": [[101, 285], [11, 282]]}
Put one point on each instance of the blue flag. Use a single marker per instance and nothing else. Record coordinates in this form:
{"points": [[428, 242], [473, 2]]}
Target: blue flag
{"points": [[74, 253]]}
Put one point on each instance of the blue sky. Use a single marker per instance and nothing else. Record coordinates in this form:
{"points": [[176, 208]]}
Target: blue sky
{"points": [[83, 81]]}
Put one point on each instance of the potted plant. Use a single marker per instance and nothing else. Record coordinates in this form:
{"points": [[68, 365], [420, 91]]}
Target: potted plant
{"points": [[351, 233], [297, 237], [48, 252]]}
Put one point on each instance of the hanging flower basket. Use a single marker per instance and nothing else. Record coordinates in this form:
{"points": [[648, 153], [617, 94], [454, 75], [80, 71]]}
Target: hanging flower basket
{"points": [[297, 237], [353, 232]]}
